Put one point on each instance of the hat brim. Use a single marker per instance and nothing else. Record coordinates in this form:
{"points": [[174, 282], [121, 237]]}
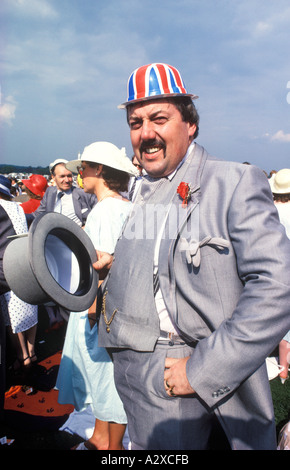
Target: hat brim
{"points": [[7, 193], [53, 263], [157, 97], [276, 190]]}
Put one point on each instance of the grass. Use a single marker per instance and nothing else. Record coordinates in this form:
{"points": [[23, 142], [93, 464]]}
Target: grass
{"points": [[281, 401]]}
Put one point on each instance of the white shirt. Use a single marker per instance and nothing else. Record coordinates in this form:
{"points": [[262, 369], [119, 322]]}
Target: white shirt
{"points": [[165, 321], [67, 206]]}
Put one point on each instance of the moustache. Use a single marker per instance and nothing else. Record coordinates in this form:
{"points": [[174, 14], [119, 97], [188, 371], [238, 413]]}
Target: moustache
{"points": [[151, 143]]}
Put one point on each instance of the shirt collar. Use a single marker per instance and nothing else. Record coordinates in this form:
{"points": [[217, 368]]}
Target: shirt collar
{"points": [[64, 192], [191, 146]]}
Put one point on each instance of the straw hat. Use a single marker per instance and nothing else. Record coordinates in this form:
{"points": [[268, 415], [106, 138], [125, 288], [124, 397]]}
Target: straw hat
{"points": [[280, 182]]}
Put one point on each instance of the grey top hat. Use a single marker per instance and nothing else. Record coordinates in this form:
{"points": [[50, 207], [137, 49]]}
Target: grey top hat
{"points": [[52, 264]]}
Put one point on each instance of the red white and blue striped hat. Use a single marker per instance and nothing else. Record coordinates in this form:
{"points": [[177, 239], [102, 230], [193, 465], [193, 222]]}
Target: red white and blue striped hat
{"points": [[154, 81]]}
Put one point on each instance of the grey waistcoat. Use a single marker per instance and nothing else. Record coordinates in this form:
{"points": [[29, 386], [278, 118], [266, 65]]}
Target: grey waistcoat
{"points": [[129, 318]]}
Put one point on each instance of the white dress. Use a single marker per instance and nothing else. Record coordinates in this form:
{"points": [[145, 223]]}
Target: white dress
{"points": [[283, 209], [17, 313], [86, 371]]}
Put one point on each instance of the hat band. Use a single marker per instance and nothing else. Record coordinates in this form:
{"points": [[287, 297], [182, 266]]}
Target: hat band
{"points": [[5, 188]]}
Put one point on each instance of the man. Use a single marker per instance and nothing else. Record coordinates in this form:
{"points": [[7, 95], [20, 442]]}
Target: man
{"points": [[192, 359], [70, 200]]}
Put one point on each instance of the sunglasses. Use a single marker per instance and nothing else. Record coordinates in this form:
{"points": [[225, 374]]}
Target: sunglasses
{"points": [[80, 170]]}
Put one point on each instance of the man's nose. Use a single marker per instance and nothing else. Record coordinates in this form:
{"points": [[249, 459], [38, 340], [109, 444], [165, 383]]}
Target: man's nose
{"points": [[148, 131]]}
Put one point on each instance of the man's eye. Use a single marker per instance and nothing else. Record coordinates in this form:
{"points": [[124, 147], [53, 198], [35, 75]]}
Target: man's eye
{"points": [[160, 120], [135, 124]]}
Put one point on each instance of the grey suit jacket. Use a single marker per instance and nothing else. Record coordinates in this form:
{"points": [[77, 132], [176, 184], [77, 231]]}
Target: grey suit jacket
{"points": [[234, 297], [83, 203], [224, 273]]}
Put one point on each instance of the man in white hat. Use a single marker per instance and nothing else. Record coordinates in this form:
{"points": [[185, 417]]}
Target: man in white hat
{"points": [[196, 300], [72, 202], [64, 197]]}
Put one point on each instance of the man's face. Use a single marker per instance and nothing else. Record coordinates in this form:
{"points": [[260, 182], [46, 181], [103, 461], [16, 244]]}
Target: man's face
{"points": [[63, 178], [159, 136]]}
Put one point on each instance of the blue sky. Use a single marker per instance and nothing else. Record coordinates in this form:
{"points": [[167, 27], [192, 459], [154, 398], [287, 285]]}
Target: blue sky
{"points": [[65, 64]]}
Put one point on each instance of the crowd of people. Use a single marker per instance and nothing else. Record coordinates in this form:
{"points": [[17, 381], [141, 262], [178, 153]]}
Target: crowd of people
{"points": [[175, 344]]}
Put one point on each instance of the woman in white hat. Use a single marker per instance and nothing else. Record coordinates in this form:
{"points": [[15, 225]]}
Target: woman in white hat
{"points": [[86, 371], [280, 186]]}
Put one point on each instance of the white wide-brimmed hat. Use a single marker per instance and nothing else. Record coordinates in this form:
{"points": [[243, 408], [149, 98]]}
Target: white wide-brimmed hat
{"points": [[107, 154], [52, 264], [280, 182]]}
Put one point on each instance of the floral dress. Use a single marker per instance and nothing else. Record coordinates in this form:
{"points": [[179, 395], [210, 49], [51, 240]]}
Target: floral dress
{"points": [[17, 313]]}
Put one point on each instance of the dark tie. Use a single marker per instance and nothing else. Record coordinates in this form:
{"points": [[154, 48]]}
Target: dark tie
{"points": [[57, 207]]}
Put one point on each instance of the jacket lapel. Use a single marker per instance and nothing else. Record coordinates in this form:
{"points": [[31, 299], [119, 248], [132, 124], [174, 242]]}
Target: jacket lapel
{"points": [[51, 199]]}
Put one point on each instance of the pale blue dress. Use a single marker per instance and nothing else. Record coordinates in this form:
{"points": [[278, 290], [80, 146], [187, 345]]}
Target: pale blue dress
{"points": [[86, 371], [283, 209]]}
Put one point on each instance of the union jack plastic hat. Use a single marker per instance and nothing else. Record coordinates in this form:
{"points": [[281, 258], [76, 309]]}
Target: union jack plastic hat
{"points": [[154, 81]]}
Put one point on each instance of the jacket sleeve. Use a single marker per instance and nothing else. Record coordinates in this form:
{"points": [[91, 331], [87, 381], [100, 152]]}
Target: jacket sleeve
{"points": [[240, 345]]}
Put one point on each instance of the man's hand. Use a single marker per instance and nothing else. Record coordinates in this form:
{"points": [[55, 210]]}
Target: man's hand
{"points": [[175, 379], [103, 264]]}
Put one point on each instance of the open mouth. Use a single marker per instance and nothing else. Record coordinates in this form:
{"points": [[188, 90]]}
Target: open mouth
{"points": [[151, 149]]}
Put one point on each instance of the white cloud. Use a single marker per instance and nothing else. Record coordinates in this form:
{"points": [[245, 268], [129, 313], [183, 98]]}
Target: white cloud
{"points": [[280, 136], [263, 27], [33, 8], [7, 110]]}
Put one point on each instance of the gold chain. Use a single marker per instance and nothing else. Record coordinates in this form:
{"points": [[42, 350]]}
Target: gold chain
{"points": [[108, 322]]}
